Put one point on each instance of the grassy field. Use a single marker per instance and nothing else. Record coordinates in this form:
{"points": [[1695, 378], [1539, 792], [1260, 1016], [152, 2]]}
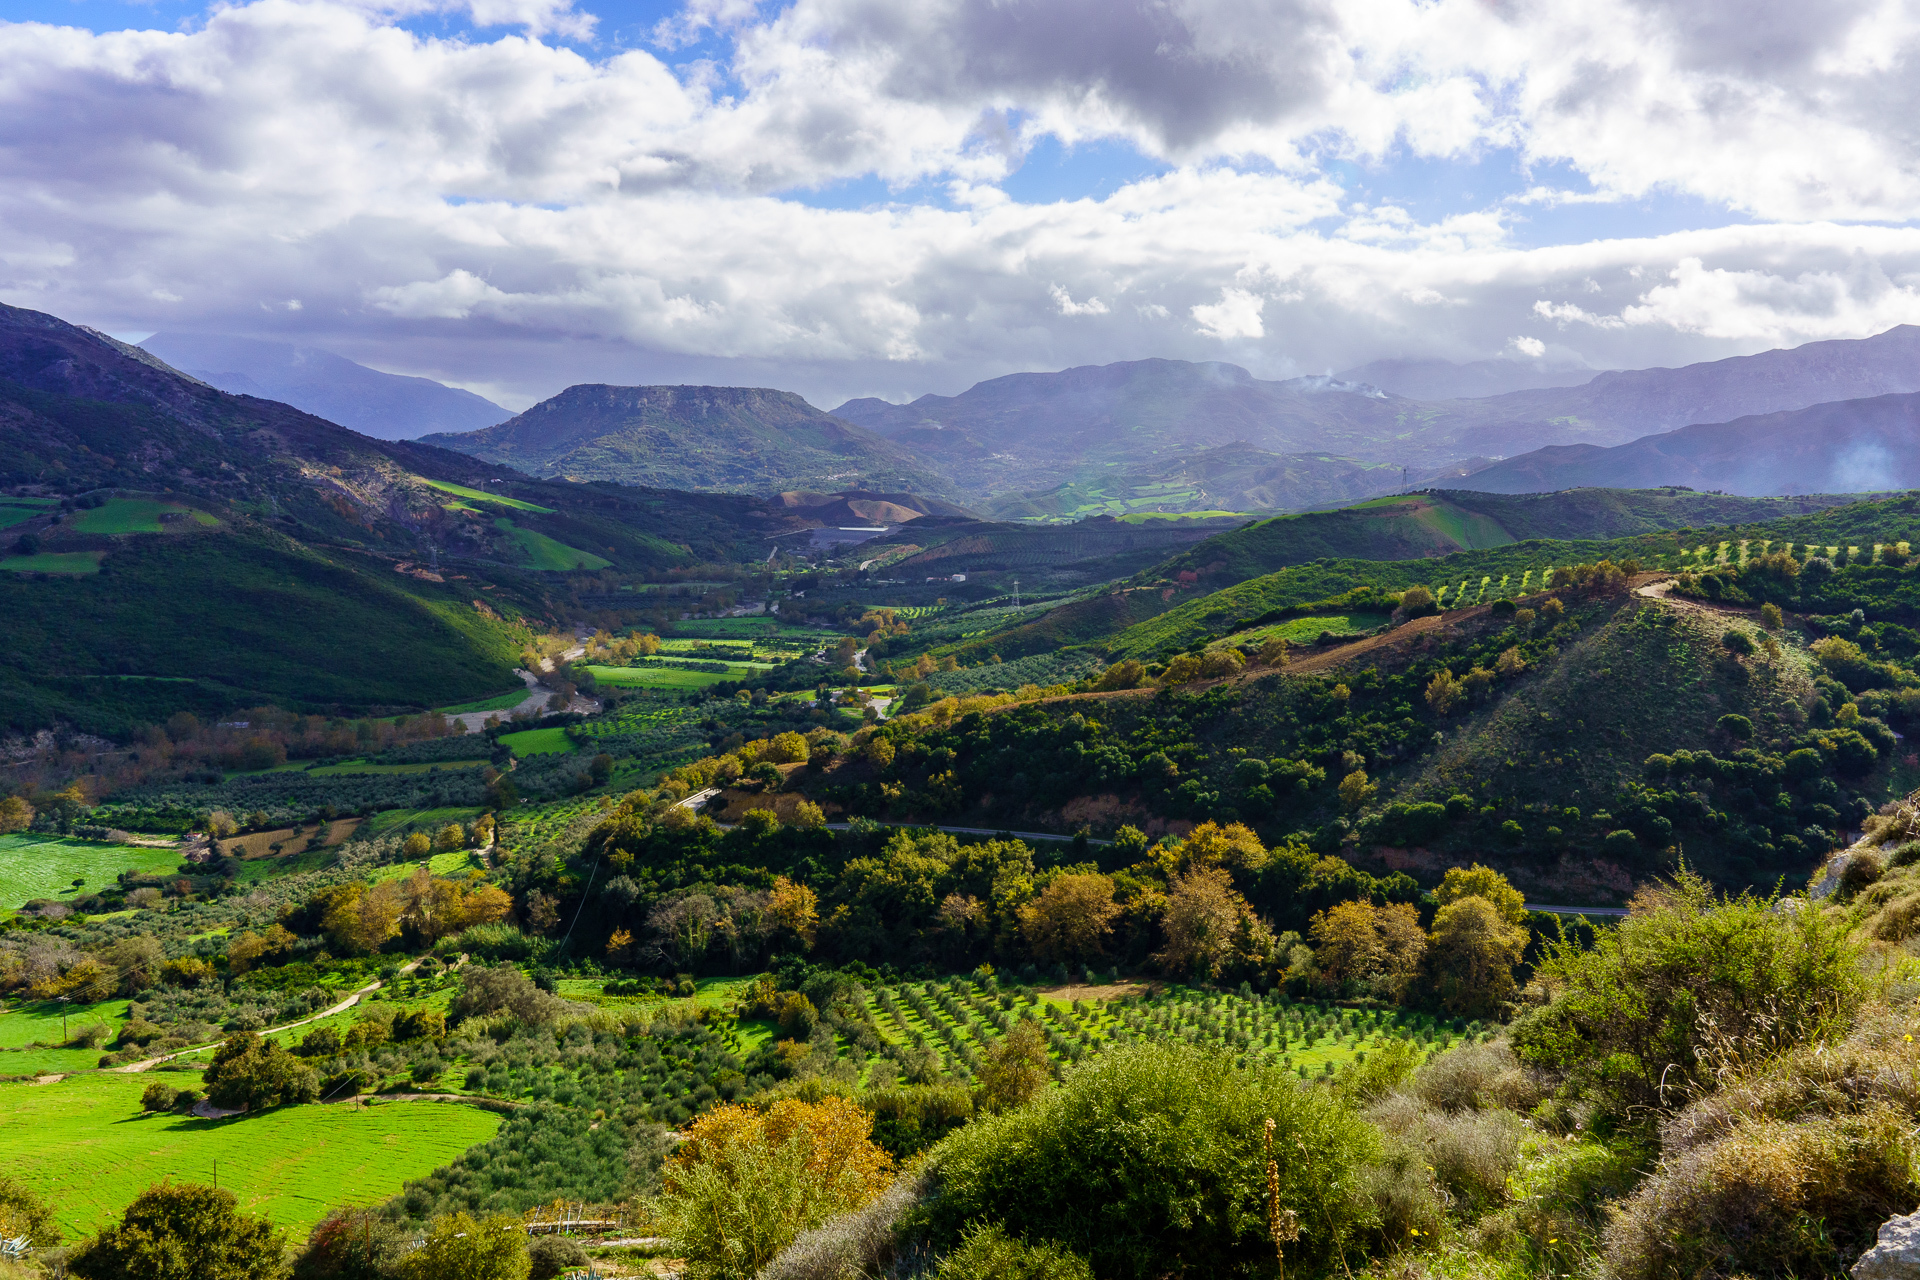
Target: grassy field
{"points": [[546, 553], [661, 677], [396, 819], [132, 515], [453, 862], [1301, 630], [745, 629], [361, 766], [498, 702], [84, 1145], [40, 1022], [37, 866], [11, 515], [71, 564], [538, 742], [481, 495]]}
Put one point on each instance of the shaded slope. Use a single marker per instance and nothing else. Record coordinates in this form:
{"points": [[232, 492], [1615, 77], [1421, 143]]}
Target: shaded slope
{"points": [[1849, 445], [742, 439]]}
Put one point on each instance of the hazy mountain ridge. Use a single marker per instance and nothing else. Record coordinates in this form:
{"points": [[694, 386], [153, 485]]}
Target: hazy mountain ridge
{"points": [[1850, 445], [387, 406]]}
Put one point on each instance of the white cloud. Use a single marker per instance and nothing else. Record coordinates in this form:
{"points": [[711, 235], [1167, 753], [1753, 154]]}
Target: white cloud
{"points": [[1068, 307], [1532, 348], [1236, 315], [489, 200]]}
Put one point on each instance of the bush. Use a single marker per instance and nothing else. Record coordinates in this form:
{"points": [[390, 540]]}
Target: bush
{"points": [[1771, 1199], [24, 1213], [551, 1256], [350, 1244], [172, 1222], [459, 1248], [1687, 985], [1469, 1152], [158, 1096], [1149, 1160], [746, 1184], [988, 1253], [866, 1242]]}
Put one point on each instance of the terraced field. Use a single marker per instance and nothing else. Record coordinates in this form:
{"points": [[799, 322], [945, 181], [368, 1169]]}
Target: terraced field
{"points": [[959, 1019]]}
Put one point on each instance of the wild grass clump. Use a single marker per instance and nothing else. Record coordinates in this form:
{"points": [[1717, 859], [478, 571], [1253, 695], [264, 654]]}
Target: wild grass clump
{"points": [[1470, 1153], [1475, 1077], [1149, 1160], [1769, 1199], [988, 1253], [866, 1242]]}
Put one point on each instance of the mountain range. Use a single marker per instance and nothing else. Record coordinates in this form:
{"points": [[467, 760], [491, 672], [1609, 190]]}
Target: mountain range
{"points": [[387, 406], [729, 439], [1175, 435]]}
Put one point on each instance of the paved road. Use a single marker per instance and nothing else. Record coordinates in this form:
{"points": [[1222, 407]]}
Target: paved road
{"points": [[1577, 911]]}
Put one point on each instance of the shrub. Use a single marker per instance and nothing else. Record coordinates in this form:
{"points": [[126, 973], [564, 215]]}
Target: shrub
{"points": [[158, 1096], [866, 1242], [1770, 1199], [172, 1222], [24, 1213], [1474, 1077], [551, 1256], [350, 1244], [746, 1183], [457, 1247], [988, 1253], [1470, 1152], [1687, 984], [1149, 1160]]}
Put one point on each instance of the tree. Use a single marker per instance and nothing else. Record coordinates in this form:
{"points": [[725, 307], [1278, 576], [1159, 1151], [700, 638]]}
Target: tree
{"points": [[23, 1213], [1015, 1069], [1417, 602], [1071, 918], [1509, 664], [795, 909], [746, 1183], [248, 1074], [15, 815], [1471, 955], [1356, 790], [457, 1247], [358, 917], [1770, 617], [450, 837], [419, 845], [1482, 882], [1202, 919], [1356, 941], [1234, 846], [1445, 692], [181, 1231]]}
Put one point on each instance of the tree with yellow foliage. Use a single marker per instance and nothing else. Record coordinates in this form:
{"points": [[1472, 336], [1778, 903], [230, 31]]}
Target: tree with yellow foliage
{"points": [[794, 909], [1482, 882], [1071, 918], [747, 1182]]}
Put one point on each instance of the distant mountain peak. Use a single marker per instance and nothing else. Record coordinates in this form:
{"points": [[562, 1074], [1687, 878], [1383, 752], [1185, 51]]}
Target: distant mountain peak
{"points": [[388, 406]]}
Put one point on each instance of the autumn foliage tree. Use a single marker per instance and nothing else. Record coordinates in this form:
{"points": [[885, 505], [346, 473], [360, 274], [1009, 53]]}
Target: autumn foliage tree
{"points": [[747, 1182], [1070, 919]]}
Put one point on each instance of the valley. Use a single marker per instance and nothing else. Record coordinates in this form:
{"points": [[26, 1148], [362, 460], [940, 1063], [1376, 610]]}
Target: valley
{"points": [[493, 828]]}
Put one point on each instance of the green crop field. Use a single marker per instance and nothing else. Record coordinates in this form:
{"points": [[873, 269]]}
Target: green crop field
{"points": [[1301, 630], [538, 742], [84, 1145], [546, 553], [481, 495], [72, 564], [498, 702], [132, 515], [360, 766], [425, 819], [958, 1019], [662, 677], [11, 515], [37, 866]]}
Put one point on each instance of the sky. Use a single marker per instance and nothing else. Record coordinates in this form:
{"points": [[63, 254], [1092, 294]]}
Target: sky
{"points": [[878, 197]]}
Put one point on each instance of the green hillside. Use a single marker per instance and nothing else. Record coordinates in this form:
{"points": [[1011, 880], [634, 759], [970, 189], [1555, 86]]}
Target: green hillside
{"points": [[217, 621], [1440, 522]]}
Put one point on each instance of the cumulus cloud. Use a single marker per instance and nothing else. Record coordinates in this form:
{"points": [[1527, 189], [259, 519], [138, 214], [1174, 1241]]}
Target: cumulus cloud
{"points": [[485, 198]]}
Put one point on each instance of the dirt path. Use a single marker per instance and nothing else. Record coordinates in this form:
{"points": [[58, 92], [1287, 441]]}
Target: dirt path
{"points": [[342, 1007]]}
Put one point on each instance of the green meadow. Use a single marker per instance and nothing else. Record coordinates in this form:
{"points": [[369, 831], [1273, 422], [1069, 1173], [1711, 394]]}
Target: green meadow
{"points": [[40, 866], [293, 1164]]}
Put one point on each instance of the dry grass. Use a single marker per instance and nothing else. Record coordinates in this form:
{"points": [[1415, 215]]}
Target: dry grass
{"points": [[1475, 1077], [1771, 1198], [863, 1245], [1470, 1153]]}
